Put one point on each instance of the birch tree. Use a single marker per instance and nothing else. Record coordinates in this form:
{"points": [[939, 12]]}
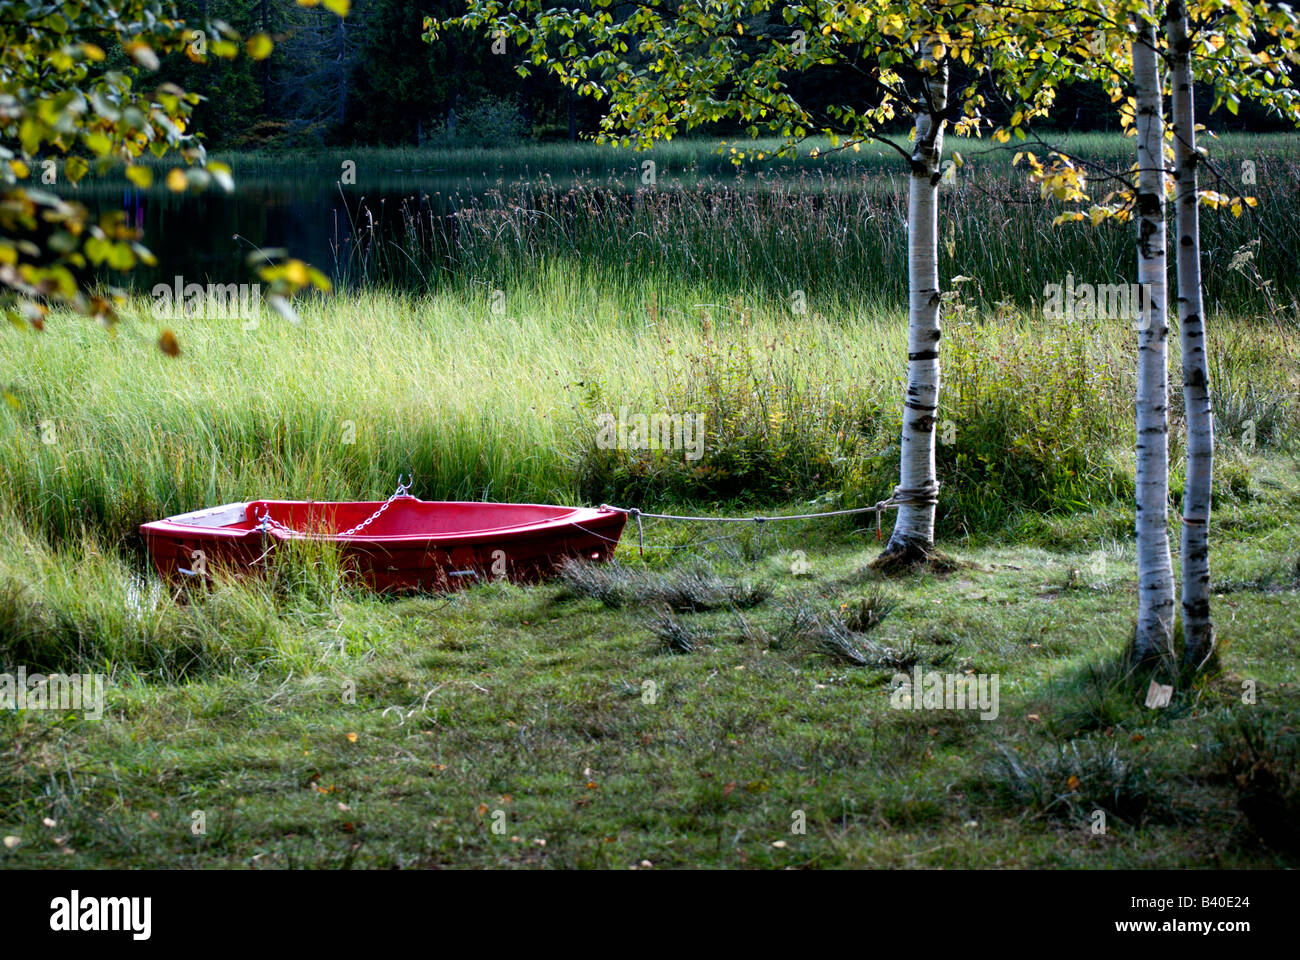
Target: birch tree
{"points": [[1198, 629], [1242, 51], [1155, 621], [918, 485], [660, 72], [1107, 37]]}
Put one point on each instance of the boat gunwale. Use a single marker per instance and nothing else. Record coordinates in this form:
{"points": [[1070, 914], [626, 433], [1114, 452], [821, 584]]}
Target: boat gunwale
{"points": [[169, 527]]}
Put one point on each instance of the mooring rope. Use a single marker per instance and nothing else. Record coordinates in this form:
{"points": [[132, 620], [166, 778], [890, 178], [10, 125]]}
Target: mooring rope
{"points": [[902, 496]]}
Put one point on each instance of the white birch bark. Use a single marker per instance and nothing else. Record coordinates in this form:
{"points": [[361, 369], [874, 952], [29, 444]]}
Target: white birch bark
{"points": [[1155, 566], [1198, 630], [913, 535]]}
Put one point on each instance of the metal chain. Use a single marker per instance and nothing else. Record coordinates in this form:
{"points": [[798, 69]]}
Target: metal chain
{"points": [[266, 522]]}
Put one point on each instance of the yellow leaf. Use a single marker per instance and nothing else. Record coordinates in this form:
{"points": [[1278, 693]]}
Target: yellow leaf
{"points": [[19, 168], [140, 176], [259, 46], [176, 180], [352, 738], [341, 7]]}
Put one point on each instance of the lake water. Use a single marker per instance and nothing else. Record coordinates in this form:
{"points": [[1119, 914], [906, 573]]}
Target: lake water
{"points": [[345, 229], [207, 237]]}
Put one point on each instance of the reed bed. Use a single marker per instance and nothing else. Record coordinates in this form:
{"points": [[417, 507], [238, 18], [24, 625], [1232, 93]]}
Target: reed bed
{"points": [[836, 231]]}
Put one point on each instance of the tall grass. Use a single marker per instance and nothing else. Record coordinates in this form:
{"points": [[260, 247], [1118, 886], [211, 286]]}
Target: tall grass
{"points": [[470, 219], [769, 303], [84, 606], [100, 432], [831, 233]]}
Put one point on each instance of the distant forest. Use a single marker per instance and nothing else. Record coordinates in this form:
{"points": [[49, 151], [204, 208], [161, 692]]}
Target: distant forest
{"points": [[371, 79]]}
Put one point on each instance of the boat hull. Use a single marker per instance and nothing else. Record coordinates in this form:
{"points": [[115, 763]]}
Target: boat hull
{"points": [[414, 545]]}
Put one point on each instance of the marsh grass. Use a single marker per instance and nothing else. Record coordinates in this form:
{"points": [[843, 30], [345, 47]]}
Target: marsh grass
{"points": [[842, 633], [674, 634], [835, 233], [481, 406], [1259, 755], [471, 220]]}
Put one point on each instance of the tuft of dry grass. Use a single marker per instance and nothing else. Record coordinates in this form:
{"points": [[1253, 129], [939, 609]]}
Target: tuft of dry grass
{"points": [[692, 589]]}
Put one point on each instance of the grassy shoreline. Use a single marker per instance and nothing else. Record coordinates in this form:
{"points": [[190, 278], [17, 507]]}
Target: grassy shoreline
{"points": [[528, 701], [310, 724]]}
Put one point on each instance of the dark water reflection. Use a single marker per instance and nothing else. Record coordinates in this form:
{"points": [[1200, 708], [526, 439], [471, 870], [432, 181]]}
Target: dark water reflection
{"points": [[207, 237], [348, 232]]}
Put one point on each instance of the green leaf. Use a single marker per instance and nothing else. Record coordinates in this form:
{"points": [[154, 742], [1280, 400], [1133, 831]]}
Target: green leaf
{"points": [[74, 168]]}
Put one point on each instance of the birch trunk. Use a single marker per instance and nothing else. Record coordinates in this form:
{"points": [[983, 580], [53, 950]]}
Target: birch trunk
{"points": [[913, 537], [1155, 566], [1198, 630]]}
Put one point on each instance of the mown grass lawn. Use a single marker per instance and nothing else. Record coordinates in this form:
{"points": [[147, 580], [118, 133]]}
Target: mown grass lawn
{"points": [[566, 723]]}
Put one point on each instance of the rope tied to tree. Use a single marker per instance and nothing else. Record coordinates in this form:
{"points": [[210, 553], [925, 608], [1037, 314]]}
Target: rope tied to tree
{"points": [[926, 495]]}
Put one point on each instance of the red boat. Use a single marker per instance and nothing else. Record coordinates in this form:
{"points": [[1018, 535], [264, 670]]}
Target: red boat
{"points": [[403, 543]]}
